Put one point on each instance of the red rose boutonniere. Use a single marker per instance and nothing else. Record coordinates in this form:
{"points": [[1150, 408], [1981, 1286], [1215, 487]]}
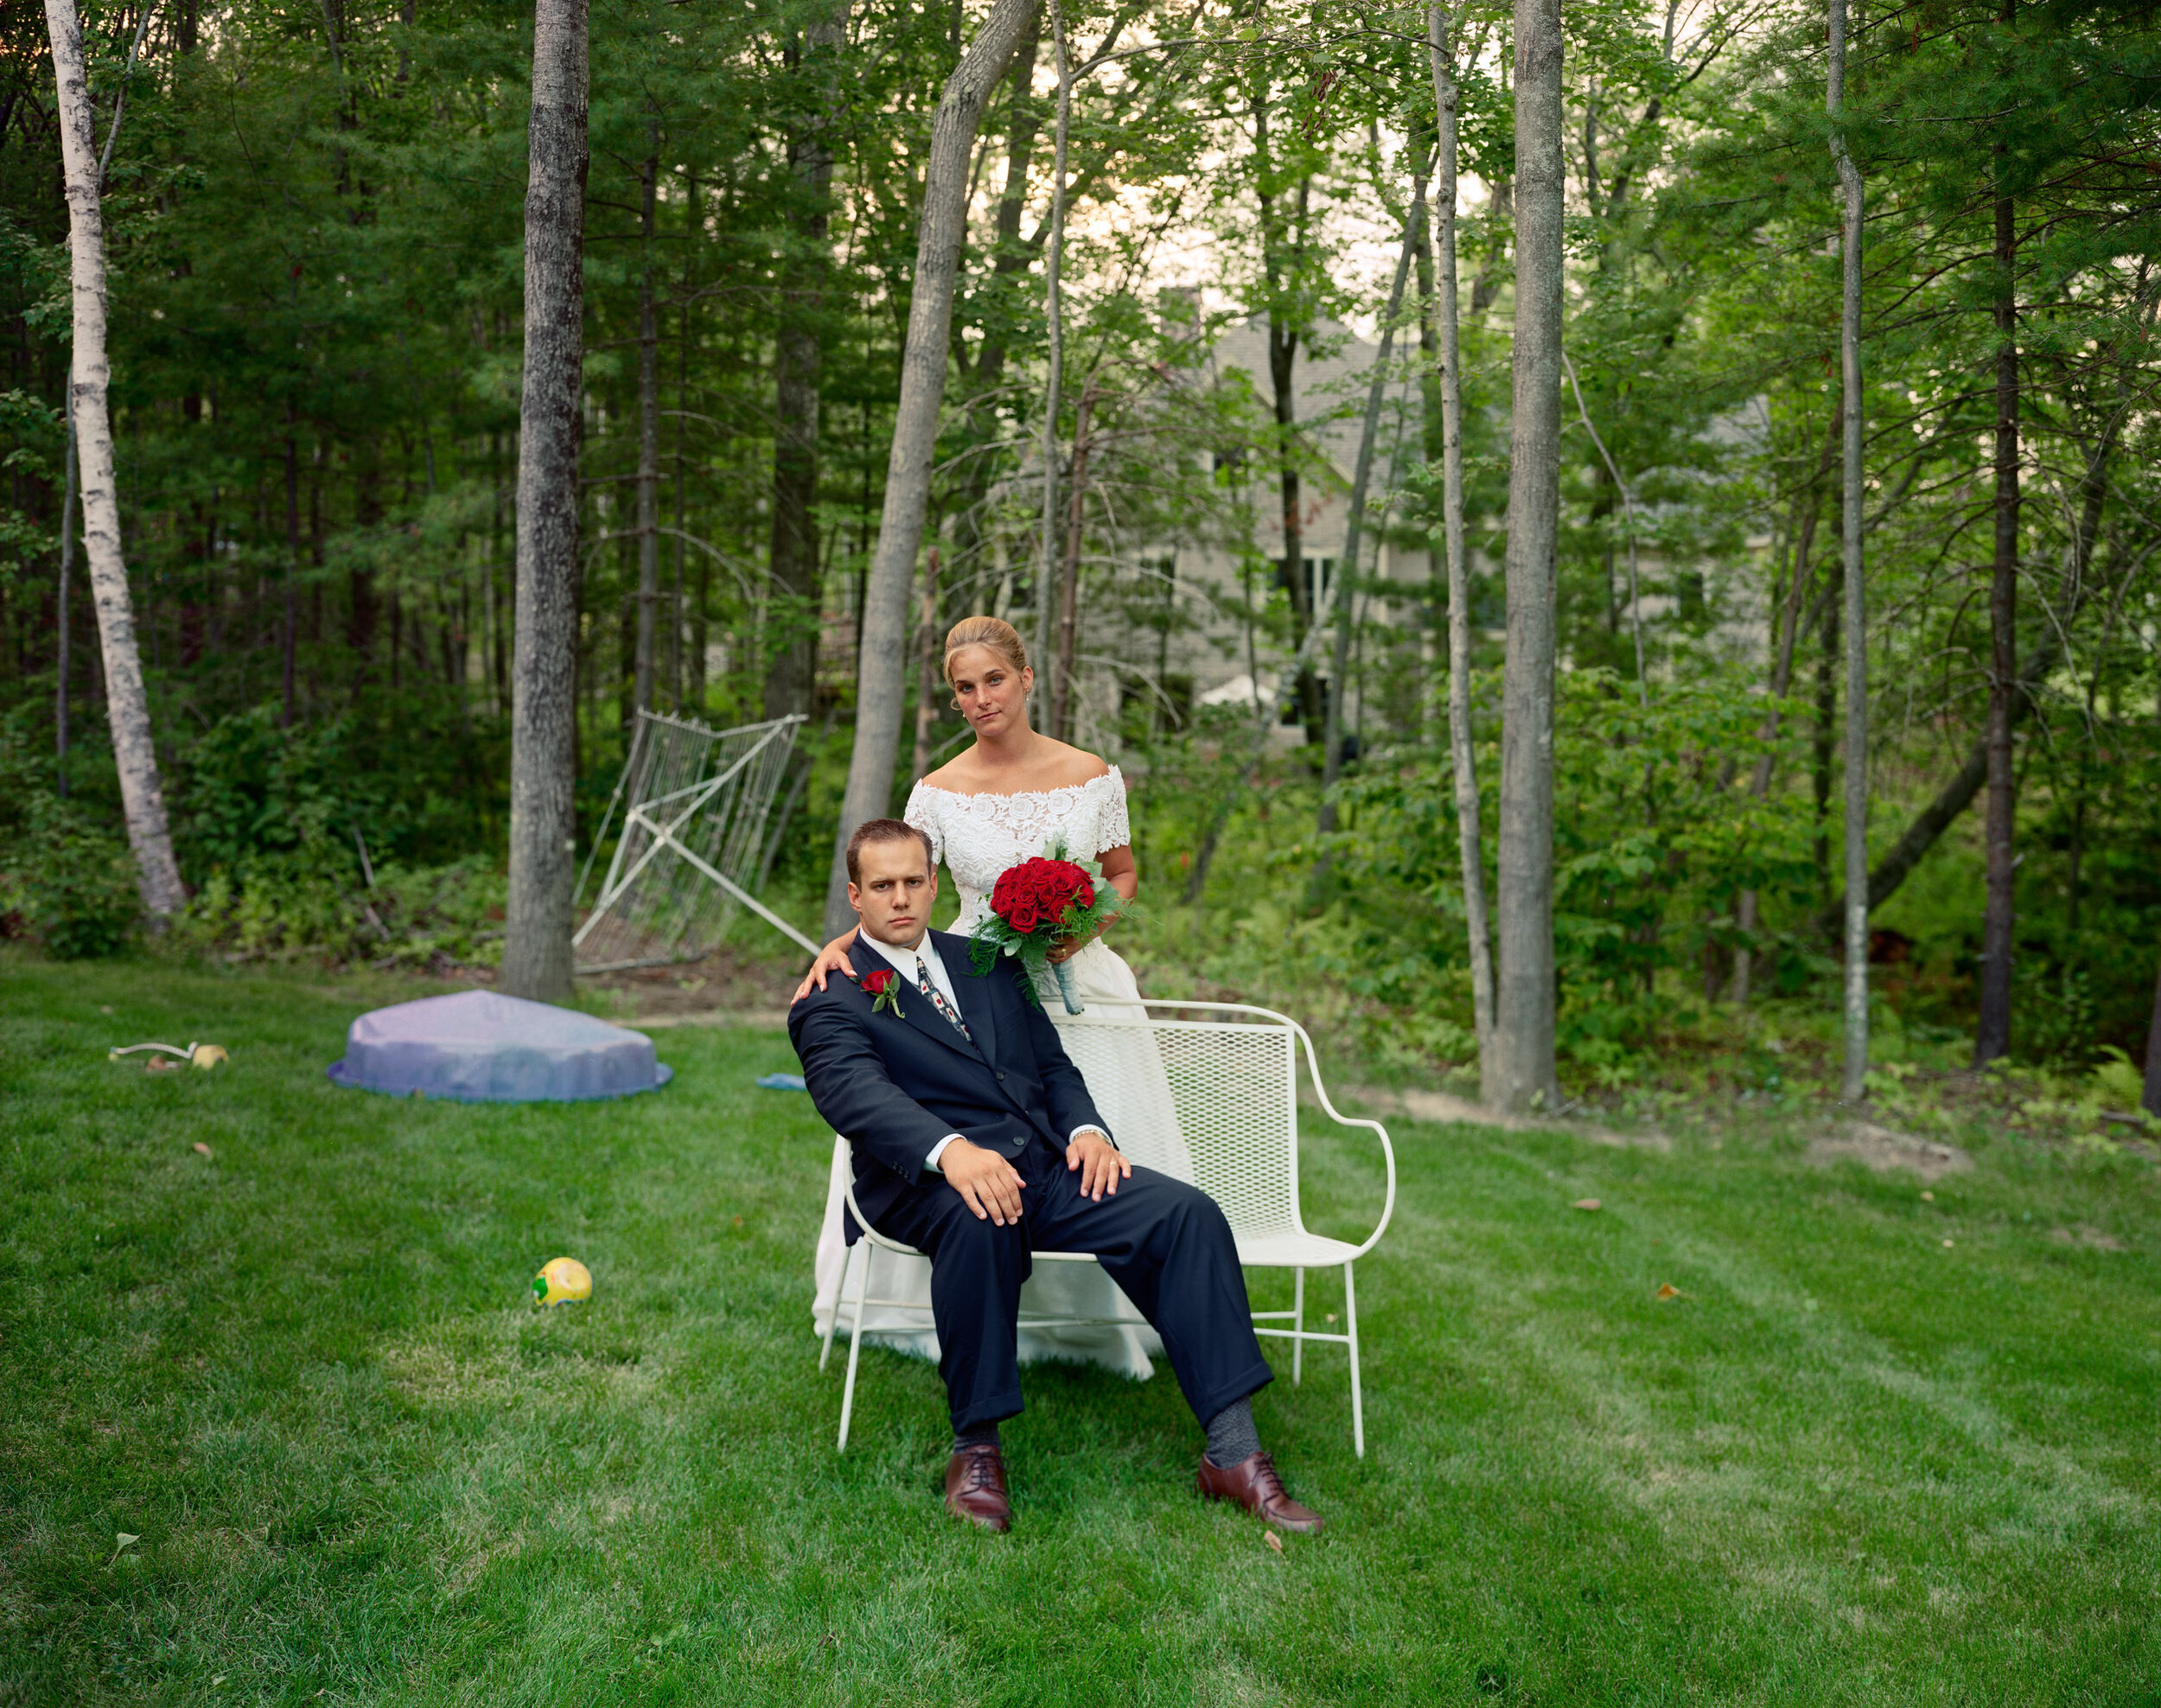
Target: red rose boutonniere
{"points": [[882, 986]]}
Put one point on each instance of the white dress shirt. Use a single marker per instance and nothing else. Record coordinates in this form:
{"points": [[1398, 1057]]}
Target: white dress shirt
{"points": [[904, 961]]}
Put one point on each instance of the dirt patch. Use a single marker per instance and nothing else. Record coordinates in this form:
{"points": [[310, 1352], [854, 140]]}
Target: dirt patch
{"points": [[726, 981], [2091, 1238], [1440, 1106], [1882, 1148]]}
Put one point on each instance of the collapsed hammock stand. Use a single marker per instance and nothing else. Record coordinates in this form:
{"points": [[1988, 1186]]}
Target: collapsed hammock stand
{"points": [[695, 837]]}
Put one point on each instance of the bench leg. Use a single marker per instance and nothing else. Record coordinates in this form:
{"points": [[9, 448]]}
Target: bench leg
{"points": [[1358, 1403], [855, 1346], [1298, 1322]]}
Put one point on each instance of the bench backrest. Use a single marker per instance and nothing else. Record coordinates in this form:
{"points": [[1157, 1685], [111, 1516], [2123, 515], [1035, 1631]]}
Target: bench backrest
{"points": [[1232, 1123]]}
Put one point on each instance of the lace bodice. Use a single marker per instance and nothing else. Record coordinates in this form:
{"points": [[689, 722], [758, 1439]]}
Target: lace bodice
{"points": [[978, 836]]}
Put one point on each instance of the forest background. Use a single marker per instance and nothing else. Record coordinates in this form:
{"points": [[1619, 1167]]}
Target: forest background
{"points": [[314, 228]]}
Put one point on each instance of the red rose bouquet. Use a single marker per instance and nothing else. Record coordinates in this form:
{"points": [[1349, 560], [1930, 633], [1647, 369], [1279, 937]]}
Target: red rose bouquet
{"points": [[1039, 904]]}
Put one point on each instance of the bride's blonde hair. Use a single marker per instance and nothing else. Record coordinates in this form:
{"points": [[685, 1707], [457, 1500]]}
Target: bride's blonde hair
{"points": [[1000, 636]]}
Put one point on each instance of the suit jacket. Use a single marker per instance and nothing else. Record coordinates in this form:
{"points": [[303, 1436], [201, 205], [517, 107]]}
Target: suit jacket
{"points": [[894, 1085]]}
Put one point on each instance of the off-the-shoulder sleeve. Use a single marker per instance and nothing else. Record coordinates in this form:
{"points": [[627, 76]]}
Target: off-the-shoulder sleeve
{"points": [[1113, 826], [923, 812]]}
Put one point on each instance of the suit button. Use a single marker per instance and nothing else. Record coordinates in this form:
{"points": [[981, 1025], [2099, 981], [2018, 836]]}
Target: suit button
{"points": [[1001, 1076]]}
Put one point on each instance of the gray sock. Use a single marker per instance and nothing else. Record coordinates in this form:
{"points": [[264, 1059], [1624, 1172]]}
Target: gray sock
{"points": [[983, 1435], [1232, 1437]]}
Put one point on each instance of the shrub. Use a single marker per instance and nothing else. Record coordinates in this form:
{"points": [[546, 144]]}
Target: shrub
{"points": [[73, 882]]}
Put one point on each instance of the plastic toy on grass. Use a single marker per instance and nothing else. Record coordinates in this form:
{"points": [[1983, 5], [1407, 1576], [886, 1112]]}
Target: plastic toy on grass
{"points": [[562, 1281], [205, 1056]]}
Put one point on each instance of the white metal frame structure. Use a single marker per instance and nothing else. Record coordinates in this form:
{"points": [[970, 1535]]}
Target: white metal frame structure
{"points": [[1234, 1089], [694, 828]]}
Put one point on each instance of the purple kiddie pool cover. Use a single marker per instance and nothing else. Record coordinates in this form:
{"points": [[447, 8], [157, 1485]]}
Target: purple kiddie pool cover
{"points": [[481, 1047]]}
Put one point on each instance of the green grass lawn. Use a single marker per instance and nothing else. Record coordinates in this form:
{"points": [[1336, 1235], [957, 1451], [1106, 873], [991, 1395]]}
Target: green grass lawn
{"points": [[1851, 1463]]}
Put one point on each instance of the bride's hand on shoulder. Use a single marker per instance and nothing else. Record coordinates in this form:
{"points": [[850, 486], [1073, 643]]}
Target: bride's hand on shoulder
{"points": [[833, 959]]}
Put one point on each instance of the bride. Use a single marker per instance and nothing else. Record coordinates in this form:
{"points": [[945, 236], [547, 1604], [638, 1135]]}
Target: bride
{"points": [[1002, 801]]}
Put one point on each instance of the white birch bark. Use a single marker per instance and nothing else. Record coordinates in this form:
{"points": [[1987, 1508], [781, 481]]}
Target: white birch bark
{"points": [[1524, 1073], [142, 796], [544, 670], [1462, 754], [882, 661]]}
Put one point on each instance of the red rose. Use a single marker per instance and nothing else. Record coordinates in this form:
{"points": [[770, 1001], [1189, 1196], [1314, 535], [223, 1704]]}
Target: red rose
{"points": [[1024, 918], [877, 984]]}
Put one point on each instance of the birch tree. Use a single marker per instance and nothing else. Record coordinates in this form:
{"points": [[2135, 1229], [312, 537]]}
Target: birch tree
{"points": [[1522, 1072], [881, 669], [544, 688], [1447, 103], [142, 794]]}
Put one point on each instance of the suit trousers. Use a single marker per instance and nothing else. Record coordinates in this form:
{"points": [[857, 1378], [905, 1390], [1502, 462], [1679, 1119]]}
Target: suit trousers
{"points": [[1165, 1243]]}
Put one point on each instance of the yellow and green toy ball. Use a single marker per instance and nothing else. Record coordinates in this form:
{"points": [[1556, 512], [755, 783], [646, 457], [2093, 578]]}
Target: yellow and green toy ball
{"points": [[563, 1281]]}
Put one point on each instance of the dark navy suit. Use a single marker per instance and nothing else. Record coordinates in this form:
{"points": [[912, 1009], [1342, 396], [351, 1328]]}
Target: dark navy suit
{"points": [[894, 1085]]}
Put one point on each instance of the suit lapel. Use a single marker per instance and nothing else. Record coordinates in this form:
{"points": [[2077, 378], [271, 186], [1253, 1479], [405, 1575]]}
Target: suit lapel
{"points": [[974, 991], [916, 1011]]}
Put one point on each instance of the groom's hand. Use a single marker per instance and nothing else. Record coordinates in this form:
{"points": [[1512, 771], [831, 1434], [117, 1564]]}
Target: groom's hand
{"points": [[985, 1181], [1101, 1165]]}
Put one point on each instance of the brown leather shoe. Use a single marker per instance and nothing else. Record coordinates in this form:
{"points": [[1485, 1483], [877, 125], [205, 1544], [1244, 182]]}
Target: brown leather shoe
{"points": [[975, 1488], [1252, 1483]]}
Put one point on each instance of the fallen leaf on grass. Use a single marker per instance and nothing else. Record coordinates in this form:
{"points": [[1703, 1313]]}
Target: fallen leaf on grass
{"points": [[1947, 1242], [1667, 1291], [1928, 1197], [121, 1538], [1586, 1204], [1272, 1540], [201, 1149]]}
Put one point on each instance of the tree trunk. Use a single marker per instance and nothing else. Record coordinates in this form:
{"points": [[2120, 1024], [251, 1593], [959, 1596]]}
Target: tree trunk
{"points": [[927, 656], [648, 435], [1992, 1037], [1283, 249], [882, 655], [1853, 1077], [1825, 732], [2152, 1100], [1462, 754], [1062, 694], [544, 689], [1054, 316], [1355, 527], [60, 614], [1523, 1064], [287, 662], [798, 364], [142, 795]]}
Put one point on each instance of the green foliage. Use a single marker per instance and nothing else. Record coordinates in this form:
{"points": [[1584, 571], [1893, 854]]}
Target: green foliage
{"points": [[71, 880], [66, 877]]}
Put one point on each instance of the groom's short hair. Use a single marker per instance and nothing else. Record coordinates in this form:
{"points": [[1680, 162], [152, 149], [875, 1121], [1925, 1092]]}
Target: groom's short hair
{"points": [[882, 830]]}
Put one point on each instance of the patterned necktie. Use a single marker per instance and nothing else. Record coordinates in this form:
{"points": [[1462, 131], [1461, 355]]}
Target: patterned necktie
{"points": [[923, 984]]}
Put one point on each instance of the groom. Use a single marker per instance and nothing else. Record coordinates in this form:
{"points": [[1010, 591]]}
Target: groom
{"points": [[975, 1141]]}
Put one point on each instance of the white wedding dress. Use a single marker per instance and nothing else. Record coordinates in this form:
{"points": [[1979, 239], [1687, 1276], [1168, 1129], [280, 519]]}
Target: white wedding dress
{"points": [[979, 837]]}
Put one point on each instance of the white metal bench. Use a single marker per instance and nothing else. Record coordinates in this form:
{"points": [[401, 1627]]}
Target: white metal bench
{"points": [[1233, 1091]]}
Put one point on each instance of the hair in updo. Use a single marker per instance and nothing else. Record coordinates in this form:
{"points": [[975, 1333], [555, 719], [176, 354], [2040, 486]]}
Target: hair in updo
{"points": [[1000, 636]]}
